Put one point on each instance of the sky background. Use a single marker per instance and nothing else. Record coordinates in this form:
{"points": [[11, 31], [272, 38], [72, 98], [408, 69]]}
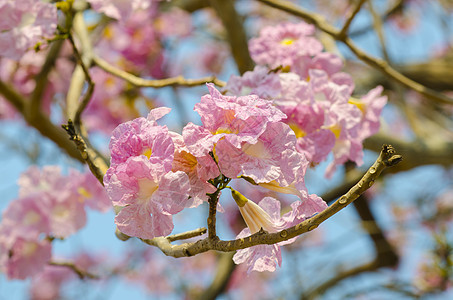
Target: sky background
{"points": [[98, 235]]}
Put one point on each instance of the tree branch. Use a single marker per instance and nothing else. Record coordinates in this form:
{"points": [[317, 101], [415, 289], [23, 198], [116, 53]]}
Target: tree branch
{"points": [[344, 30], [159, 83], [39, 121], [377, 63], [387, 158], [237, 37], [81, 273]]}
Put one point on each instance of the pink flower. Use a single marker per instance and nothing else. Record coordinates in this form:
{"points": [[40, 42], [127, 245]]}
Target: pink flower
{"points": [[28, 216], [371, 107], [304, 209], [313, 140], [93, 193], [149, 196], [236, 119], [199, 170], [266, 160], [257, 82], [59, 196], [266, 215], [174, 22], [137, 40], [24, 23], [284, 44], [143, 137], [47, 284], [22, 257]]}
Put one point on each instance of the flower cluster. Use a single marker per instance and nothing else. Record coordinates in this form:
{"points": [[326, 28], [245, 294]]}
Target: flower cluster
{"points": [[141, 178], [49, 206], [156, 173], [267, 129], [315, 95], [25, 23]]}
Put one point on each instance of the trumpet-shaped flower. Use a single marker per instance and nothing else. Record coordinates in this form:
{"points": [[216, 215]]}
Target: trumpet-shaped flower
{"points": [[149, 196], [21, 257], [199, 170], [257, 82], [235, 119], [267, 160], [266, 215], [143, 137], [284, 44]]}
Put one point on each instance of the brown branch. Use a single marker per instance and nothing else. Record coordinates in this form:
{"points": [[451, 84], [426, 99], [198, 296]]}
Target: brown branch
{"points": [[377, 63], [387, 158], [81, 273], [176, 237], [87, 97], [95, 161], [396, 8], [237, 37], [385, 253], [377, 24], [315, 293], [39, 121], [225, 268], [385, 256], [213, 200], [416, 153], [41, 79], [190, 5], [344, 30], [160, 83]]}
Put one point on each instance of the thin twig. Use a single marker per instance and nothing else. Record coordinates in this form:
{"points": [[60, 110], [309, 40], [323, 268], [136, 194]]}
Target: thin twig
{"points": [[95, 161], [344, 30], [42, 78], [181, 236], [87, 97], [81, 273], [377, 24], [160, 83], [39, 121], [377, 63]]}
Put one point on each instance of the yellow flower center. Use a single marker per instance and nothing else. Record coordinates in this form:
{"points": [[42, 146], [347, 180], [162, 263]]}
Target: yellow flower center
{"points": [[60, 211], [83, 192], [297, 130], [357, 102], [256, 150], [336, 129], [287, 41], [31, 218], [146, 189], [29, 249], [147, 152]]}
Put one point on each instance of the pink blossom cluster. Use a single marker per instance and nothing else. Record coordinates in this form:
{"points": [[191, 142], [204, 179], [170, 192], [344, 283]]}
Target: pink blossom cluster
{"points": [[156, 173], [50, 282], [23, 24], [49, 206], [150, 176], [137, 43], [315, 95], [22, 74]]}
